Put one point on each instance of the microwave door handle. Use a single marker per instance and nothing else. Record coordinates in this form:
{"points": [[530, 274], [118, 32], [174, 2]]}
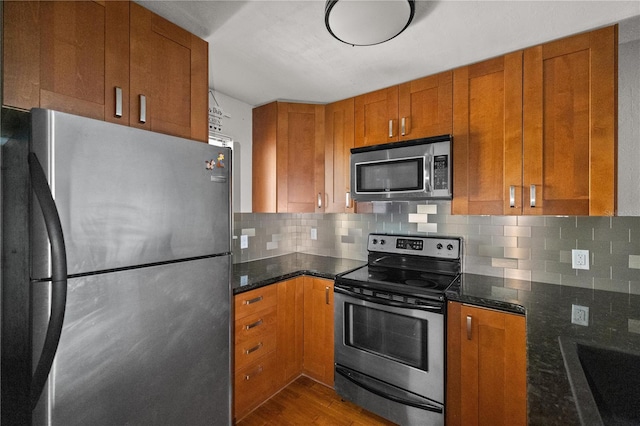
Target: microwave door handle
{"points": [[427, 180]]}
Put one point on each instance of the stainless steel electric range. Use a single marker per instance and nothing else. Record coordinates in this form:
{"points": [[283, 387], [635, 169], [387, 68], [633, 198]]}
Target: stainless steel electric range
{"points": [[390, 327]]}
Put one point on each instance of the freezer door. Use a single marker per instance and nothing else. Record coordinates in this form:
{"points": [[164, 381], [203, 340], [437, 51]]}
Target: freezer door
{"points": [[146, 346], [127, 196]]}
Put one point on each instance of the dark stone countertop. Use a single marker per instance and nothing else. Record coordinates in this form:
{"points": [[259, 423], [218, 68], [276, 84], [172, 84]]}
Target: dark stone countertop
{"points": [[249, 275], [614, 320]]}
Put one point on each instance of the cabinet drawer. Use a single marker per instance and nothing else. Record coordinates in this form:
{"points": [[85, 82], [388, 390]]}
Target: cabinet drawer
{"points": [[254, 384], [261, 325], [253, 348], [252, 301]]}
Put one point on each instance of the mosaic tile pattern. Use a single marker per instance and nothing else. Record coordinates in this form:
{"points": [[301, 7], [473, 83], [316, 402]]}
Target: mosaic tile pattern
{"points": [[534, 248]]}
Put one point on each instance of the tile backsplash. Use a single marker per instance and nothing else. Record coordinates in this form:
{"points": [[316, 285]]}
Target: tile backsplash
{"points": [[534, 248]]}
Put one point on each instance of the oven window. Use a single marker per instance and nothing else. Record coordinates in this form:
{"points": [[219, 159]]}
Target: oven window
{"points": [[392, 175], [398, 337]]}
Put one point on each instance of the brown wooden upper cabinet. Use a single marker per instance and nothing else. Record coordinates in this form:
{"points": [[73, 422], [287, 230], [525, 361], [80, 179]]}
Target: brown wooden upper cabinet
{"points": [[535, 131], [337, 149], [288, 158], [411, 110], [96, 59]]}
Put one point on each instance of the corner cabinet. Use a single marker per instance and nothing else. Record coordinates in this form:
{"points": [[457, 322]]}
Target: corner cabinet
{"points": [[535, 131], [96, 59], [486, 367], [412, 110], [288, 158]]}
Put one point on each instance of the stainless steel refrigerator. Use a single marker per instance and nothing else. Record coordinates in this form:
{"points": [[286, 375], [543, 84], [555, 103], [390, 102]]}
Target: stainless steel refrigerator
{"points": [[116, 275]]}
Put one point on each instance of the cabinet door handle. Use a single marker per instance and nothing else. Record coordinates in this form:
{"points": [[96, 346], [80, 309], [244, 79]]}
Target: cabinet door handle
{"points": [[347, 199], [257, 372], [319, 200], [390, 128], [251, 301], [143, 109], [253, 349], [512, 196], [404, 130], [468, 327], [253, 325], [326, 295], [532, 195], [118, 101]]}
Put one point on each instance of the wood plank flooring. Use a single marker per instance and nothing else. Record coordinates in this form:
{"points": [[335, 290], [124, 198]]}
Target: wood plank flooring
{"points": [[307, 402]]}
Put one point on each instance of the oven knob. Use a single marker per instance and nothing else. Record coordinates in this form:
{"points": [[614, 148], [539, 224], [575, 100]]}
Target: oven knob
{"points": [[382, 242], [449, 246], [374, 241], [439, 246]]}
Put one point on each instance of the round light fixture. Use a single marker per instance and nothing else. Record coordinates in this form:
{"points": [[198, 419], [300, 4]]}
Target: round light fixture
{"points": [[364, 22]]}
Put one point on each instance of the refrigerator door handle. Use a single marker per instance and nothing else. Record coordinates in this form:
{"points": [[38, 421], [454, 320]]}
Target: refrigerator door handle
{"points": [[58, 277]]}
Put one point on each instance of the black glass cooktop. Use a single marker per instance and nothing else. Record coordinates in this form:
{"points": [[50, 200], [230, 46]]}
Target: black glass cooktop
{"points": [[404, 281]]}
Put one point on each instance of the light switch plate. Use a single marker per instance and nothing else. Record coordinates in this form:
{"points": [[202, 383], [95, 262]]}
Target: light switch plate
{"points": [[244, 241], [314, 233]]}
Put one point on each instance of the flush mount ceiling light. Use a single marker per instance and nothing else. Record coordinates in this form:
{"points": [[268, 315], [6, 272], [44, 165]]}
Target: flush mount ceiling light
{"points": [[364, 23]]}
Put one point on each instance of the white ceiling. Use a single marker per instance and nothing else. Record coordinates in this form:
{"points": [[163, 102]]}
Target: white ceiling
{"points": [[260, 51]]}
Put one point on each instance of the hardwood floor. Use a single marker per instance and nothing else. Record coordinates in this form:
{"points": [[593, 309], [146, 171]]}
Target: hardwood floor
{"points": [[306, 402]]}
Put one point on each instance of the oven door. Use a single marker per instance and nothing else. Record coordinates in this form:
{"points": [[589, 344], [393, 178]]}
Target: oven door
{"points": [[400, 347]]}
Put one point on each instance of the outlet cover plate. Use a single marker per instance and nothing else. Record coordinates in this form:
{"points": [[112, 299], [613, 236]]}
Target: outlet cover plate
{"points": [[314, 233], [580, 315], [580, 259], [244, 241]]}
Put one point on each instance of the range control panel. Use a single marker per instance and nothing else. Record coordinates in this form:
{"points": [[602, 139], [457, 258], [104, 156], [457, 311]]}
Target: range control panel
{"points": [[440, 247]]}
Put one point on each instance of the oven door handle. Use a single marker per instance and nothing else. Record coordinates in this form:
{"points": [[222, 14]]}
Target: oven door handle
{"points": [[436, 307], [386, 393]]}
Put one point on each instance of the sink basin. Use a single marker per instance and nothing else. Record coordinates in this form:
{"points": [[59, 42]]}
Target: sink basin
{"points": [[605, 383]]}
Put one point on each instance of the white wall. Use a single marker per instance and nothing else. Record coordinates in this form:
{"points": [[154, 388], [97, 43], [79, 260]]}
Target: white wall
{"points": [[629, 128], [236, 123]]}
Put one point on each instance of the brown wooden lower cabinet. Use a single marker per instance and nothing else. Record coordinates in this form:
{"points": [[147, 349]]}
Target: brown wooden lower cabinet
{"points": [[486, 367], [281, 331]]}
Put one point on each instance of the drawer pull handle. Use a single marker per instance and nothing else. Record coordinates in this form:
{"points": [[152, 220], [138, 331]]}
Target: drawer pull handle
{"points": [[469, 319], [253, 349], [254, 300], [258, 371], [252, 325]]}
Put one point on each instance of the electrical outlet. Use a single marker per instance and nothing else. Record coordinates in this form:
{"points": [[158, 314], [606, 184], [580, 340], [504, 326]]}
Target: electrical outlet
{"points": [[580, 315], [244, 241], [580, 259], [314, 233]]}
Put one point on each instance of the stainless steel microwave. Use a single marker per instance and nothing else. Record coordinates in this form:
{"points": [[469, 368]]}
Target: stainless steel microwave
{"points": [[413, 170]]}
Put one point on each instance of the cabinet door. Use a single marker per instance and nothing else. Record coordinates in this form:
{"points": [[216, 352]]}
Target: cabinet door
{"points": [[486, 373], [487, 135], [290, 329], [300, 158], [425, 107], [318, 329], [263, 176], [376, 117], [169, 77], [570, 125], [61, 55], [339, 131]]}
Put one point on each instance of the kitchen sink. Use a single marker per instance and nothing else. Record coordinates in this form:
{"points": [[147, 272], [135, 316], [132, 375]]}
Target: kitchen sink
{"points": [[605, 383]]}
